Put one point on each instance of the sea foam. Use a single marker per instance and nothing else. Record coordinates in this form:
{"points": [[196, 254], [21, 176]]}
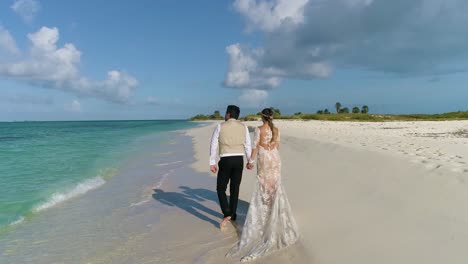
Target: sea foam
{"points": [[80, 189]]}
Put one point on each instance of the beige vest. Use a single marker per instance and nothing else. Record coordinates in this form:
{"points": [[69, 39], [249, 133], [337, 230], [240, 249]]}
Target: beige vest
{"points": [[231, 137]]}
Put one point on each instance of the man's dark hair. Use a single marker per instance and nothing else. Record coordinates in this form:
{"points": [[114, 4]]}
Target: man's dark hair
{"points": [[233, 111]]}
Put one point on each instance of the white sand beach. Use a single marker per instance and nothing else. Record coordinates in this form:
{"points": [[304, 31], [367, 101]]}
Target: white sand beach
{"points": [[362, 193], [369, 192]]}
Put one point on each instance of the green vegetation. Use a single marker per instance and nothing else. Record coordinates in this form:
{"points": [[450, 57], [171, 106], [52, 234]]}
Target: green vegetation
{"points": [[344, 110], [343, 114], [200, 117], [338, 107], [370, 117], [365, 109]]}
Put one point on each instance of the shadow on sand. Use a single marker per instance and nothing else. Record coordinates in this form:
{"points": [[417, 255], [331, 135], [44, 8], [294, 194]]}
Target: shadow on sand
{"points": [[189, 199]]}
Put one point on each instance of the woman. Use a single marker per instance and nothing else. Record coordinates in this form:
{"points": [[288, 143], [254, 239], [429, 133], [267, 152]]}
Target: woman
{"points": [[269, 224]]}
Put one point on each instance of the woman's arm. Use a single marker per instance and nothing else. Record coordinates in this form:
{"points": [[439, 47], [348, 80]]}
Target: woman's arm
{"points": [[253, 154], [277, 142]]}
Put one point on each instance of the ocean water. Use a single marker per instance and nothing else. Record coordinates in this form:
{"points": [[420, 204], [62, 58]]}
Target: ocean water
{"points": [[43, 164]]}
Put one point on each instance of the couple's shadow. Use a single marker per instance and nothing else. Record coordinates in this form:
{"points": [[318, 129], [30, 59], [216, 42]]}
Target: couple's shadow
{"points": [[189, 200]]}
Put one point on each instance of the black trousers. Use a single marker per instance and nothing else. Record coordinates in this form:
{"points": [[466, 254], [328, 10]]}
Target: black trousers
{"points": [[230, 169]]}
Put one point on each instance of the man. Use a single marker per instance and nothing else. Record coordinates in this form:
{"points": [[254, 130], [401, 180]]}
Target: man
{"points": [[233, 140]]}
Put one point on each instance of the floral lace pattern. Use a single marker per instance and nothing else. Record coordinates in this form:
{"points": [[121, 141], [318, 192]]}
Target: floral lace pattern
{"points": [[269, 224]]}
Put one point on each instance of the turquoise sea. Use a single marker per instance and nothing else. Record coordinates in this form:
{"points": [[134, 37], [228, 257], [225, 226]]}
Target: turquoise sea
{"points": [[43, 164]]}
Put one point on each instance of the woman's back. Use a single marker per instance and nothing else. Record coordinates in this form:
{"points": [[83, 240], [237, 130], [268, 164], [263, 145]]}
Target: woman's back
{"points": [[265, 136]]}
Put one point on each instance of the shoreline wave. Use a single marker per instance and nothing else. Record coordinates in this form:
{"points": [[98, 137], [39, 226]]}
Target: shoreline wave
{"points": [[80, 189], [18, 221]]}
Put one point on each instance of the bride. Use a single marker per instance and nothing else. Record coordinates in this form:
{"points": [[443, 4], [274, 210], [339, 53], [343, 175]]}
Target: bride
{"points": [[269, 224]]}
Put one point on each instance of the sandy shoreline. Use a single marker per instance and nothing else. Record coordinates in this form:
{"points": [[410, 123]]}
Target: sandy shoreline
{"points": [[362, 193], [371, 192]]}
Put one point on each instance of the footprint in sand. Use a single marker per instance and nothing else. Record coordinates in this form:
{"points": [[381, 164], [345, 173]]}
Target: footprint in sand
{"points": [[431, 166]]}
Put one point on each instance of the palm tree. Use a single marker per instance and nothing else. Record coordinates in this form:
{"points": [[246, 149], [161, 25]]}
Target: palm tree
{"points": [[320, 112], [344, 110], [326, 111], [356, 110], [365, 109], [338, 107]]}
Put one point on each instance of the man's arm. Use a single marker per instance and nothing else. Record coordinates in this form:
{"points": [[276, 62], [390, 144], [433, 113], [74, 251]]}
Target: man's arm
{"points": [[247, 144], [214, 148]]}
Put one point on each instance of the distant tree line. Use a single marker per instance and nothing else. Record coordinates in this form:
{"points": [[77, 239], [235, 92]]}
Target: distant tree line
{"points": [[345, 110], [277, 113], [215, 116], [358, 114]]}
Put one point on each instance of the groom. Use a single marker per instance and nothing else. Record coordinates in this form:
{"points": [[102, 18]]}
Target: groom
{"points": [[233, 140]]}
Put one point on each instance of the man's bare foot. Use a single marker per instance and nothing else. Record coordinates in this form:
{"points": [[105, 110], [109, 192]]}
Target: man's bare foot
{"points": [[225, 220]]}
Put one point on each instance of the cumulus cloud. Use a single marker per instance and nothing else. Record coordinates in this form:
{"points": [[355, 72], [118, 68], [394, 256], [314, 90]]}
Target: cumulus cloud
{"points": [[311, 39], [7, 43], [26, 9], [73, 106], [245, 71], [50, 66], [253, 98], [269, 15]]}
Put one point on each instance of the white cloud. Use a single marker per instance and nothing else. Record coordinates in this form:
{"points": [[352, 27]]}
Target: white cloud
{"points": [[269, 15], [245, 72], [7, 42], [73, 106], [247, 69], [253, 98], [55, 67], [310, 39], [26, 9]]}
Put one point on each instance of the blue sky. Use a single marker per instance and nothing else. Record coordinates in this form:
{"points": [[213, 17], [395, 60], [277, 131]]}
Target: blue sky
{"points": [[82, 60]]}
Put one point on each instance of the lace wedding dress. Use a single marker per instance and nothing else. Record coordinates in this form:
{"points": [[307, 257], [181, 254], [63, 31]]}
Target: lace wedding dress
{"points": [[269, 224]]}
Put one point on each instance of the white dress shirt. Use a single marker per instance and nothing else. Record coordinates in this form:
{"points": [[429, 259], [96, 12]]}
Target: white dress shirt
{"points": [[215, 143]]}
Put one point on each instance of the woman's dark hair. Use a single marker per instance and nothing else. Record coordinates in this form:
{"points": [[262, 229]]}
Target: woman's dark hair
{"points": [[267, 115], [233, 111]]}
